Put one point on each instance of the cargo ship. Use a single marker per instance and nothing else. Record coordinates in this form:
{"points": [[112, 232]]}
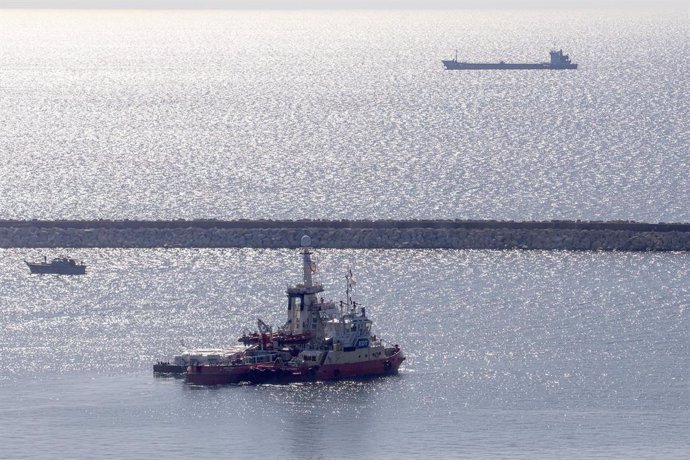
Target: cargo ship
{"points": [[559, 61], [321, 340]]}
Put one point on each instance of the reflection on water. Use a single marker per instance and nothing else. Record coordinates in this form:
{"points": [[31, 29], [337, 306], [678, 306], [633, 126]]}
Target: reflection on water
{"points": [[510, 354], [219, 114]]}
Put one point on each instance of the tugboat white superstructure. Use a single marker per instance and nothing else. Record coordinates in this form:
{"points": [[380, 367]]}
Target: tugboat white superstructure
{"points": [[321, 340]]}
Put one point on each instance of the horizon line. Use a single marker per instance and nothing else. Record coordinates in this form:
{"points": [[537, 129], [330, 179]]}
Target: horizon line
{"points": [[341, 4]]}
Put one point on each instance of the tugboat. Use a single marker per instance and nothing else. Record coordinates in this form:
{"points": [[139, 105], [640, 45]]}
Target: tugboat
{"points": [[327, 341], [57, 266], [559, 61]]}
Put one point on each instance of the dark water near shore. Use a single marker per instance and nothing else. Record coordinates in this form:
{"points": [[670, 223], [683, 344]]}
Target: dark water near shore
{"points": [[510, 355]]}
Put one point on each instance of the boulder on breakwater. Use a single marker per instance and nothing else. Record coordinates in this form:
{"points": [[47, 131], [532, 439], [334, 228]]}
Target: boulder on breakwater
{"points": [[375, 234]]}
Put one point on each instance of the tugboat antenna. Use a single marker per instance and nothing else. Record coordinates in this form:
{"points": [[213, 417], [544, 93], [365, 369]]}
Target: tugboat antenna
{"points": [[350, 280], [348, 297]]}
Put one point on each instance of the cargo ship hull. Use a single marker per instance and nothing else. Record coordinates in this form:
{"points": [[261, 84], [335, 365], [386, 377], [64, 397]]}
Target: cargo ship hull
{"points": [[455, 65], [558, 61]]}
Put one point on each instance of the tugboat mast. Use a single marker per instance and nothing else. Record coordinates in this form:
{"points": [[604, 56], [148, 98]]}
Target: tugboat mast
{"points": [[308, 265], [303, 306], [350, 281]]}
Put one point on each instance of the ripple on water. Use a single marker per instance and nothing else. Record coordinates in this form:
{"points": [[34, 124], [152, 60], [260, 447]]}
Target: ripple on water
{"points": [[207, 114]]}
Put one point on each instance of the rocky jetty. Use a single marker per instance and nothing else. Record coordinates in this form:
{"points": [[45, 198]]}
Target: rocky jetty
{"points": [[379, 234]]}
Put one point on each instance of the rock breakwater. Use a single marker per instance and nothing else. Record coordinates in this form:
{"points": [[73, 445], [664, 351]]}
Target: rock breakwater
{"points": [[379, 234]]}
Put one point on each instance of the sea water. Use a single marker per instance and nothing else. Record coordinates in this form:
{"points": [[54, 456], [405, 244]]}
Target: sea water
{"points": [[343, 114], [510, 354], [248, 114]]}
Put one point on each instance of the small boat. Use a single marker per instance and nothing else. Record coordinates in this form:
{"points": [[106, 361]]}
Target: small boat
{"points": [[57, 266], [327, 341]]}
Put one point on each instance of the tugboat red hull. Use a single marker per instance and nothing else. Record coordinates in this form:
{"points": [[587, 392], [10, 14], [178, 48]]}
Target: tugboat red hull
{"points": [[283, 374], [383, 366]]}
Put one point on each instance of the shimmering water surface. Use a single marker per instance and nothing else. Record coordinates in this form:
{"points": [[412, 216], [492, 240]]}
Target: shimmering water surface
{"points": [[343, 114], [164, 114], [510, 355]]}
